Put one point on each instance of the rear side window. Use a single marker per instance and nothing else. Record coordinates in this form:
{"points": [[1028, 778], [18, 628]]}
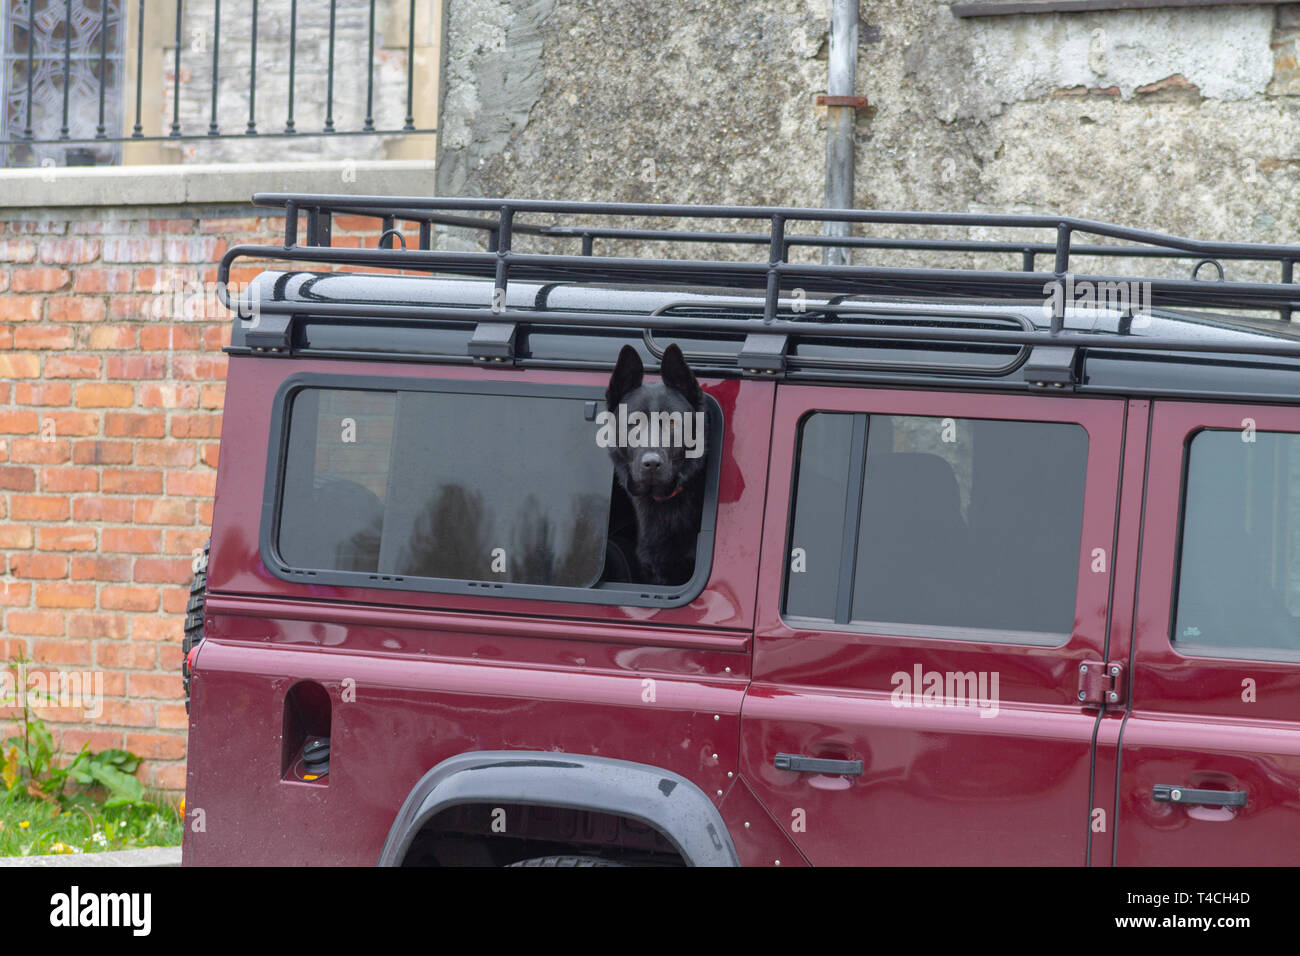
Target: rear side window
{"points": [[948, 527], [1239, 567], [443, 484]]}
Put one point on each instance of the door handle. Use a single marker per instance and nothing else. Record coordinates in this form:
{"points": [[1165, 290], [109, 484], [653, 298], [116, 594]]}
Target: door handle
{"points": [[800, 764], [1172, 793]]}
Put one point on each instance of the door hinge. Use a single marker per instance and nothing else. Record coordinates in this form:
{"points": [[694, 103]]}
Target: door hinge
{"points": [[1101, 683]]}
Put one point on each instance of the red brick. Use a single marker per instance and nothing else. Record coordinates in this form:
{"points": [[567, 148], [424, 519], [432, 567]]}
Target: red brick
{"points": [[156, 511], [162, 571], [17, 594], [174, 600], [43, 337], [135, 425], [199, 367], [78, 309], [156, 746], [65, 538], [98, 625], [48, 567], [72, 739], [66, 366], [130, 713], [131, 481], [170, 453], [17, 478], [102, 452], [240, 226], [193, 484], [69, 479], [23, 366], [217, 337], [72, 423], [69, 251], [185, 541], [102, 509], [87, 567], [132, 250], [39, 508], [169, 226], [135, 367], [132, 540], [100, 395], [209, 453], [163, 686], [127, 656], [15, 536], [169, 337], [126, 598], [47, 393], [155, 628], [111, 337], [63, 651], [170, 777], [169, 396], [173, 717], [6, 337], [40, 452], [38, 279], [63, 594], [22, 308], [194, 249], [102, 279], [196, 426], [19, 422], [17, 250], [214, 396], [35, 623]]}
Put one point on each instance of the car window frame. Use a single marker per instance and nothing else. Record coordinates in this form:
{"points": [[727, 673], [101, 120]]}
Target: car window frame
{"points": [[605, 593]]}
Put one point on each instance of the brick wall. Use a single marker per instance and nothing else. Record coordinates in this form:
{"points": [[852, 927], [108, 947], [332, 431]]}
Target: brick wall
{"points": [[111, 390]]}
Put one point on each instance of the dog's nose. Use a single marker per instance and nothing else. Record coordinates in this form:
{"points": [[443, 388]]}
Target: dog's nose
{"points": [[651, 461]]}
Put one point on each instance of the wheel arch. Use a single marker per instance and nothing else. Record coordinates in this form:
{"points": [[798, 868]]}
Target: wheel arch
{"points": [[670, 803]]}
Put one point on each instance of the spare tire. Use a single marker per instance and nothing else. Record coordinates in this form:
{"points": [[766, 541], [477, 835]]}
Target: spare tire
{"points": [[194, 617]]}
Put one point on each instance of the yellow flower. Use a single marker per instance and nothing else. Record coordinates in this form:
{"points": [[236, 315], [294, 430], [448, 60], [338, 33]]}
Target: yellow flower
{"points": [[24, 824], [181, 808], [60, 847]]}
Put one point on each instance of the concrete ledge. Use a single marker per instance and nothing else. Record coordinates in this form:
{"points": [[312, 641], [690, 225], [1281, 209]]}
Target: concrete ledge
{"points": [[202, 183], [153, 856]]}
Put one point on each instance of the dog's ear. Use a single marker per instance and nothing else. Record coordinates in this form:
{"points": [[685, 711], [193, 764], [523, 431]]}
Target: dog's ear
{"points": [[678, 375], [627, 376]]}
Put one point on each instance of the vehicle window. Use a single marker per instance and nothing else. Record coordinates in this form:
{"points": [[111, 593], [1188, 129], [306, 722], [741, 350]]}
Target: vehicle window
{"points": [[1239, 568], [941, 525], [441, 484]]}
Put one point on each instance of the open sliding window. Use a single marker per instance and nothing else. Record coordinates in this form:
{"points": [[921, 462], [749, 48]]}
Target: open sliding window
{"points": [[455, 487]]}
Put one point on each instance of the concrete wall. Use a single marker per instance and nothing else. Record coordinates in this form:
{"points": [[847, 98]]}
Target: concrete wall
{"points": [[1182, 120]]}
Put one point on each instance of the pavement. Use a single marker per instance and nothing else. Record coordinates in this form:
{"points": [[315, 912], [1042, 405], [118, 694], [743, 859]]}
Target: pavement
{"points": [[153, 856]]}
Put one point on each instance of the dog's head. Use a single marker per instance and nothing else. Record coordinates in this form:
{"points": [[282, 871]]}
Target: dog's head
{"points": [[661, 438]]}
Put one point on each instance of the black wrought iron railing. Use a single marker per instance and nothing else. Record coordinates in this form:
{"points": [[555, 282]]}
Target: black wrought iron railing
{"points": [[65, 82]]}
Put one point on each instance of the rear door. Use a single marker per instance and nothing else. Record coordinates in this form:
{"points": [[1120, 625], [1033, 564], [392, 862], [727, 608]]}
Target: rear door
{"points": [[1210, 752], [929, 589]]}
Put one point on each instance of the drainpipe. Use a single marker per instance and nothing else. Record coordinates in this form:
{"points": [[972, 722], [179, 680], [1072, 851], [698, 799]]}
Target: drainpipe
{"points": [[841, 112]]}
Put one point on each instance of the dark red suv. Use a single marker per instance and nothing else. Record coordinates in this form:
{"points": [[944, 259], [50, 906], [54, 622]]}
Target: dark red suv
{"points": [[993, 565]]}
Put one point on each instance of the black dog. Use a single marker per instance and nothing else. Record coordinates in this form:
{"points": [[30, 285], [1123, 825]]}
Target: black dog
{"points": [[661, 469]]}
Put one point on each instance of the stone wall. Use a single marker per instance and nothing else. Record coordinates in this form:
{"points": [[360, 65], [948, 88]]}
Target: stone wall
{"points": [[1182, 120]]}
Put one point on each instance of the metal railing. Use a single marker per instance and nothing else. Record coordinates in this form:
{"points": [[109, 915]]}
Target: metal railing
{"points": [[74, 69]]}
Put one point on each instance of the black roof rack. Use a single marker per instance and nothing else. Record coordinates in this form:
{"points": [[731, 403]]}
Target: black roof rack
{"points": [[1052, 353]]}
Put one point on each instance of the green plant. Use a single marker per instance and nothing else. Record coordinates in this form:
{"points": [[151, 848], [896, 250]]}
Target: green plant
{"points": [[31, 757]]}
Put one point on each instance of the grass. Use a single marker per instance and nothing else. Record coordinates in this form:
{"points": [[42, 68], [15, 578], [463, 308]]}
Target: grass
{"points": [[32, 827]]}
